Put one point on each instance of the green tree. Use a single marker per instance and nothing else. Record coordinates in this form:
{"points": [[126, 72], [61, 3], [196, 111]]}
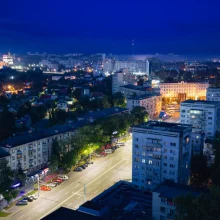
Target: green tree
{"points": [[105, 102], [140, 115], [119, 100], [204, 207]]}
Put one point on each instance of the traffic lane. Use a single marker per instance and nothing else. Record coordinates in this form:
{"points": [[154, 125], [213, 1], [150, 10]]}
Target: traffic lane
{"points": [[75, 200], [59, 195]]}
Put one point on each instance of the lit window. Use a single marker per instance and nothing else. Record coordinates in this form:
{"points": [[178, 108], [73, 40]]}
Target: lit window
{"points": [[150, 162], [143, 160]]}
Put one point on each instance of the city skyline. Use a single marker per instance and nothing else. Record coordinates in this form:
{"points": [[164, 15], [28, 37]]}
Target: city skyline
{"points": [[97, 27]]}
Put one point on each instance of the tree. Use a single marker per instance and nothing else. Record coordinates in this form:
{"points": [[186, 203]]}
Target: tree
{"points": [[119, 100], [105, 102], [199, 170], [77, 93], [7, 123], [139, 114], [204, 207], [187, 76]]}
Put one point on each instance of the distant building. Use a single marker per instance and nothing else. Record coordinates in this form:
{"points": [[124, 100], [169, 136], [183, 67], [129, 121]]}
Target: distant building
{"points": [[204, 116], [160, 151], [8, 59], [133, 66], [194, 67], [120, 79], [184, 90], [152, 103], [213, 94], [148, 68], [163, 206]]}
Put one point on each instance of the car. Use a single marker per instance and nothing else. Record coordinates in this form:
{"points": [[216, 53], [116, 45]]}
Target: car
{"points": [[89, 162], [63, 177], [45, 188], [34, 197], [109, 151], [58, 180], [78, 169], [53, 184], [22, 202], [83, 167], [28, 199]]}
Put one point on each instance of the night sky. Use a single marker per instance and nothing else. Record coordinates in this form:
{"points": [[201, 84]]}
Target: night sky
{"points": [[88, 26]]}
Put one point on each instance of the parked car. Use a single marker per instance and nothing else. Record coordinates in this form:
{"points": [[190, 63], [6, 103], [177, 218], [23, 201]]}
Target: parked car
{"points": [[83, 167], [78, 169], [34, 197], [28, 199], [58, 180], [53, 184], [89, 162], [63, 177], [22, 202], [45, 188], [109, 151], [103, 154], [120, 144], [114, 147]]}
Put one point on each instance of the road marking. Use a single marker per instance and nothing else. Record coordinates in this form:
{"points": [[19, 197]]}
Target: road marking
{"points": [[80, 189], [21, 217], [66, 192]]}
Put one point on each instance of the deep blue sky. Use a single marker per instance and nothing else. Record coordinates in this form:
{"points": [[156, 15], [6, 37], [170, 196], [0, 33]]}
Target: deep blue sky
{"points": [[185, 27]]}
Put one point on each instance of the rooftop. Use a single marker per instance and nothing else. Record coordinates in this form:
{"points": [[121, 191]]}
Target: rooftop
{"points": [[171, 190], [163, 126], [65, 213], [139, 88], [104, 113], [3, 153], [125, 202], [204, 102], [141, 97]]}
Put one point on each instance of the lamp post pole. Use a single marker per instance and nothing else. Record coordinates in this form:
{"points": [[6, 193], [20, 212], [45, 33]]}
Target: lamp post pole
{"points": [[84, 186], [38, 185]]}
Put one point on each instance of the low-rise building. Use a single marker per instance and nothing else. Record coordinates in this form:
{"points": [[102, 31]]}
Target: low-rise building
{"points": [[184, 90], [152, 103], [160, 151], [213, 94], [163, 206], [131, 90], [204, 116]]}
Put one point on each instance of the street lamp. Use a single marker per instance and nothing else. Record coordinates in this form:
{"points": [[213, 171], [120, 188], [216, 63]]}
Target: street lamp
{"points": [[84, 186], [38, 185]]}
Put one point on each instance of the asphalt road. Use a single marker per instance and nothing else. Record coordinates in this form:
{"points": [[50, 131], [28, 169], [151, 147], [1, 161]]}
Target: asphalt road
{"points": [[97, 178]]}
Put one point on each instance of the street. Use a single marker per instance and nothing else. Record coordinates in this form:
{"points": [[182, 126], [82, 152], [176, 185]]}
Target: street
{"points": [[96, 178]]}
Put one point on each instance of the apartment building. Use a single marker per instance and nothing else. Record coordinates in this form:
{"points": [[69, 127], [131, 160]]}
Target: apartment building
{"points": [[184, 90], [31, 150], [213, 94], [152, 103], [163, 206], [160, 151], [120, 79], [204, 116]]}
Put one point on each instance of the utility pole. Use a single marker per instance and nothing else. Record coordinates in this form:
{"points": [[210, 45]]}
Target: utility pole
{"points": [[84, 185]]}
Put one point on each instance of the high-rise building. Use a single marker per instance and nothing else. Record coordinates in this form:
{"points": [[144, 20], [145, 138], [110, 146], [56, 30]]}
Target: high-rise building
{"points": [[120, 79], [160, 151], [213, 94], [8, 59], [204, 116], [148, 68]]}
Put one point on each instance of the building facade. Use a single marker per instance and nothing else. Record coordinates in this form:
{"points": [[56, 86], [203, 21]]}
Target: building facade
{"points": [[163, 206], [152, 103], [120, 79], [160, 151], [204, 116], [184, 90], [213, 94]]}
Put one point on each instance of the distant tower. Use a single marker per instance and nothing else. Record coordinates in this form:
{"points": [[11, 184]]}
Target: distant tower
{"points": [[132, 44]]}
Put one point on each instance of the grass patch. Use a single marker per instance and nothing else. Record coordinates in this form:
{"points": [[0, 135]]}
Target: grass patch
{"points": [[4, 214]]}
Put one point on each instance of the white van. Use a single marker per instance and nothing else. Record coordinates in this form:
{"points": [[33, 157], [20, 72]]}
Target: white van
{"points": [[109, 151]]}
